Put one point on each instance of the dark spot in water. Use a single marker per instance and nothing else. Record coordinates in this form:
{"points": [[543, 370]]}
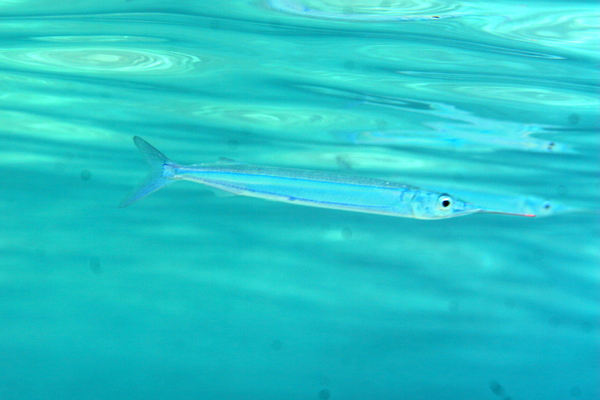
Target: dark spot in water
{"points": [[349, 65], [496, 388], [324, 394], [85, 175], [95, 266], [574, 119], [575, 391], [348, 10], [276, 344]]}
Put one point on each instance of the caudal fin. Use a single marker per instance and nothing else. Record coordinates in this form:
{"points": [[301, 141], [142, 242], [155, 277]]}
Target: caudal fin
{"points": [[157, 177]]}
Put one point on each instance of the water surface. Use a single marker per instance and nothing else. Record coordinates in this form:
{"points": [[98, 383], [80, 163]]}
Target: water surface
{"points": [[189, 296]]}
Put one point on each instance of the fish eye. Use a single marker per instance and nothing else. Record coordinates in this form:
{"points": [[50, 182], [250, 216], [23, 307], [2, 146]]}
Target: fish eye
{"points": [[444, 202]]}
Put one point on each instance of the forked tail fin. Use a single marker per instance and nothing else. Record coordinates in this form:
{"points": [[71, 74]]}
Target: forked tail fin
{"points": [[157, 178]]}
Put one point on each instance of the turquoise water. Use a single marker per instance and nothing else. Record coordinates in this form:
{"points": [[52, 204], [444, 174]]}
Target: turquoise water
{"points": [[185, 295]]}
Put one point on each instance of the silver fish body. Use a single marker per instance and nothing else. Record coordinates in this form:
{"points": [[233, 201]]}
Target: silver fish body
{"points": [[303, 187]]}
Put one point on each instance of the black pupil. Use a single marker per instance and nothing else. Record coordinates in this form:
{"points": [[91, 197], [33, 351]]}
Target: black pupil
{"points": [[445, 203]]}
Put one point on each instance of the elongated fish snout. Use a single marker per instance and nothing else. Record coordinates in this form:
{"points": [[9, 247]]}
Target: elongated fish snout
{"points": [[490, 211]]}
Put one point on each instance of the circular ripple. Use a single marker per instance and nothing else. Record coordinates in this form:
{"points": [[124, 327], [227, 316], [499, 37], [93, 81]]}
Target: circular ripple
{"points": [[103, 59]]}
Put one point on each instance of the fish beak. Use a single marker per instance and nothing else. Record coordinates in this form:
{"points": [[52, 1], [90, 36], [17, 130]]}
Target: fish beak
{"points": [[488, 211]]}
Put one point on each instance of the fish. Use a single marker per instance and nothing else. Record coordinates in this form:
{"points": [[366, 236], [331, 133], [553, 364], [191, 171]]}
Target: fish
{"points": [[303, 187]]}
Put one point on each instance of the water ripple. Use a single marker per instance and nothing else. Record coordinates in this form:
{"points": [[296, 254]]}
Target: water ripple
{"points": [[102, 59], [503, 91], [30, 124], [97, 38], [378, 11], [280, 117], [577, 28]]}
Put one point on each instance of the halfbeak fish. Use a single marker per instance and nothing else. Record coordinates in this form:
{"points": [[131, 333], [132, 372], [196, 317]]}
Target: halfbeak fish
{"points": [[304, 187]]}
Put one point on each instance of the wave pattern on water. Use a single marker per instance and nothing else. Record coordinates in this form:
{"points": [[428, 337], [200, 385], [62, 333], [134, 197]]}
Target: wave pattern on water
{"points": [[186, 296], [280, 117], [98, 39], [380, 11], [575, 27], [114, 60]]}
